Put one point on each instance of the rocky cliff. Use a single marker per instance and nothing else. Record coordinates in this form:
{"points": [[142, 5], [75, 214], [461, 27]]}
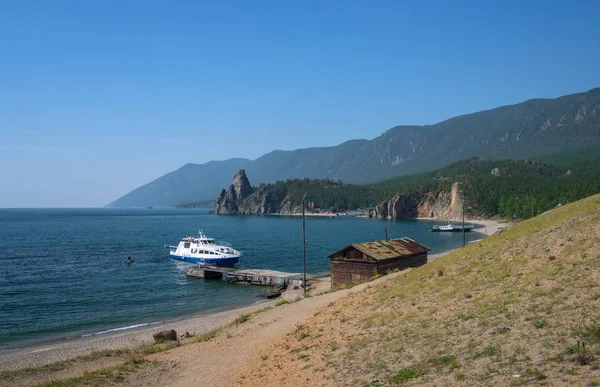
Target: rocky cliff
{"points": [[443, 204], [241, 199], [401, 206], [230, 200]]}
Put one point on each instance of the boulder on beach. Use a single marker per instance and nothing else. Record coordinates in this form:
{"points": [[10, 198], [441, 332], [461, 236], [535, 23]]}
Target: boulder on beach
{"points": [[166, 335]]}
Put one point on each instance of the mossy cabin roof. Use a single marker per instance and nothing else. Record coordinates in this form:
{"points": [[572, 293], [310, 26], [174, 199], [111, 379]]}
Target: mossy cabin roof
{"points": [[388, 249]]}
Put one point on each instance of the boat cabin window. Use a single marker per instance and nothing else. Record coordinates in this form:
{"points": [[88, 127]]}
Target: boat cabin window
{"points": [[186, 245]]}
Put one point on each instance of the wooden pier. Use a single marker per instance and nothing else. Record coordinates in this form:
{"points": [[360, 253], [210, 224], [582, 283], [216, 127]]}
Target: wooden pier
{"points": [[248, 276]]}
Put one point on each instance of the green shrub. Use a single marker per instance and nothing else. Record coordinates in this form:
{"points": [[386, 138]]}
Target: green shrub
{"points": [[406, 374], [242, 319]]}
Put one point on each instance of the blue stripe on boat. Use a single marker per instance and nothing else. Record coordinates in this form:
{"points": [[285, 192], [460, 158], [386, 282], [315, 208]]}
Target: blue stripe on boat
{"points": [[208, 261]]}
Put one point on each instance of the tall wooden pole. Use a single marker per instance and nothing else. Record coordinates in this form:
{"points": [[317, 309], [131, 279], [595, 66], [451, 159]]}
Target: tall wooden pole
{"points": [[304, 242], [463, 222]]}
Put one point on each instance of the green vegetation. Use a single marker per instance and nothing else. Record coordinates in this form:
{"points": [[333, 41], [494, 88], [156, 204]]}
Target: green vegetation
{"points": [[490, 350], [406, 374], [324, 192], [517, 189], [104, 376], [242, 319]]}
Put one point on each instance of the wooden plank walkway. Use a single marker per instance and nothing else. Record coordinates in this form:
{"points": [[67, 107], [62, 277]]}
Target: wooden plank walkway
{"points": [[248, 276]]}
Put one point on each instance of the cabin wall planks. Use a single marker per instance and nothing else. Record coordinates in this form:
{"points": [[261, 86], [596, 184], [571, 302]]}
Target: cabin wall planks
{"points": [[361, 262], [343, 271]]}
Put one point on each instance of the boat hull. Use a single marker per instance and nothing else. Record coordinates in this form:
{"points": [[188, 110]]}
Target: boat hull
{"points": [[229, 261], [453, 230]]}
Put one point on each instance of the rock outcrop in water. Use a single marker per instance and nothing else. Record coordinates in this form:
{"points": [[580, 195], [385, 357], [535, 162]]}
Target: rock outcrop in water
{"points": [[230, 200], [241, 199]]}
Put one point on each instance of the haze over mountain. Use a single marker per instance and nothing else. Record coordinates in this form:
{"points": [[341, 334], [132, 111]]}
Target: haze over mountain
{"points": [[523, 130]]}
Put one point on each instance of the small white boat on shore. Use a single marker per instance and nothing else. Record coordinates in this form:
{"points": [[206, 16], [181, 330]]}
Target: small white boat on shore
{"points": [[204, 250], [452, 228]]}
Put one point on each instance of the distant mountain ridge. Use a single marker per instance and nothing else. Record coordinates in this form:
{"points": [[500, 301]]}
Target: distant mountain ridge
{"points": [[524, 130]]}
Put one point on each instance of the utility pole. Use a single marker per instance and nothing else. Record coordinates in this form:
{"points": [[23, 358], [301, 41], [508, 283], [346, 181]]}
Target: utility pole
{"points": [[463, 211], [304, 241], [463, 221]]}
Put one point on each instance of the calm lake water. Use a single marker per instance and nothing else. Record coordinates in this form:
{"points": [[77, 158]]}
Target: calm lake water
{"points": [[63, 273]]}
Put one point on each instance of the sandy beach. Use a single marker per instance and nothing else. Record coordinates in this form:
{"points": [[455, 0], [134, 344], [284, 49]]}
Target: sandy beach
{"points": [[44, 354], [232, 351], [490, 227], [49, 353]]}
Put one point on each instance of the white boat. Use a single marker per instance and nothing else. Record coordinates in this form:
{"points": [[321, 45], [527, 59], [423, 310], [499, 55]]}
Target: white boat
{"points": [[204, 250], [452, 228]]}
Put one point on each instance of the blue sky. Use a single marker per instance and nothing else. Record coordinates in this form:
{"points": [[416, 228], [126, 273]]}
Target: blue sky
{"points": [[98, 98]]}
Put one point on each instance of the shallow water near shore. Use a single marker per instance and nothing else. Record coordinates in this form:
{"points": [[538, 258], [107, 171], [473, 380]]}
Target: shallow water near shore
{"points": [[63, 272]]}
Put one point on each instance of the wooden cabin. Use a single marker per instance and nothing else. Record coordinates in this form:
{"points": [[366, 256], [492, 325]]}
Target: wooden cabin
{"points": [[361, 261]]}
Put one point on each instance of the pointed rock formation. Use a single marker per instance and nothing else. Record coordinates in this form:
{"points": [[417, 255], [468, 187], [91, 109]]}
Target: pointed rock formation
{"points": [[241, 185], [228, 201]]}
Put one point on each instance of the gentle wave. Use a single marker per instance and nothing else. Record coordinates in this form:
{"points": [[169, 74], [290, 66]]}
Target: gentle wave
{"points": [[122, 328]]}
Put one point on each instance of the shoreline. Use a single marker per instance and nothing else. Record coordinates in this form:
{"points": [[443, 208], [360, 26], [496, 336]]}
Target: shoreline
{"points": [[309, 214], [245, 343], [490, 227], [61, 349], [66, 348], [69, 337]]}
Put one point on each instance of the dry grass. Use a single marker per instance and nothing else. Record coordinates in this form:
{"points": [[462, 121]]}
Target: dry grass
{"points": [[509, 310]]}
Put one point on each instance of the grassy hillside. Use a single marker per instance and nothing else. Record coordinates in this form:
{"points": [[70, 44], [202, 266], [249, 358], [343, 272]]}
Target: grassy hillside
{"points": [[518, 308]]}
